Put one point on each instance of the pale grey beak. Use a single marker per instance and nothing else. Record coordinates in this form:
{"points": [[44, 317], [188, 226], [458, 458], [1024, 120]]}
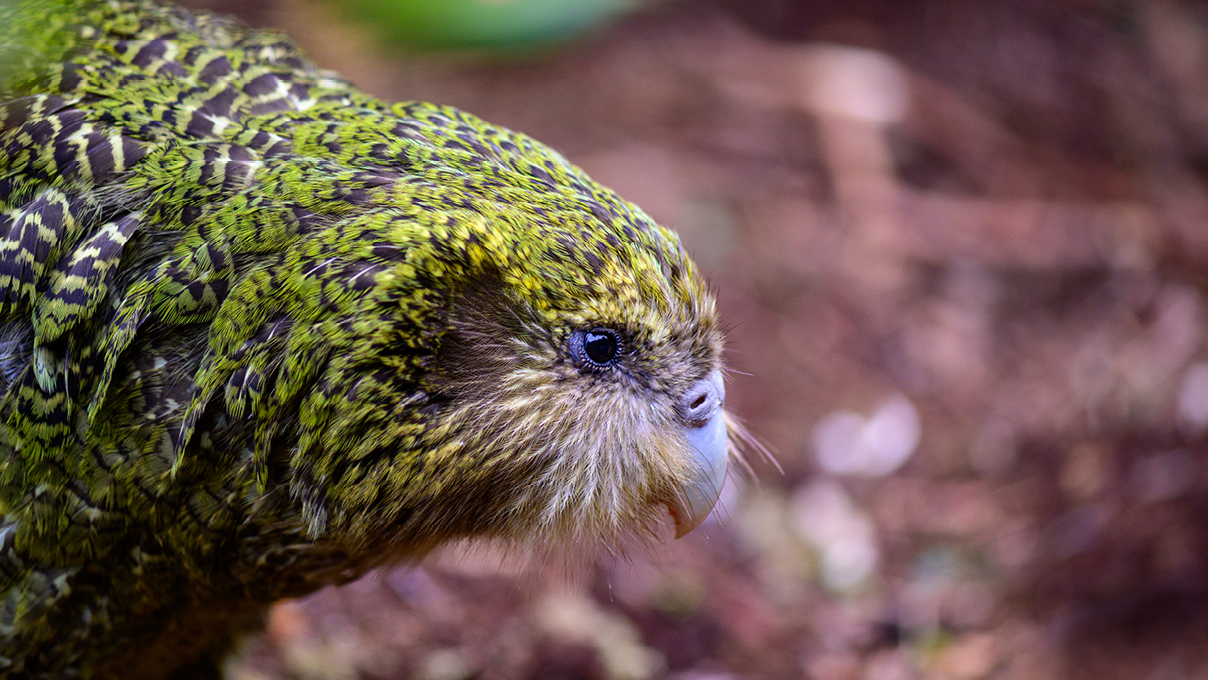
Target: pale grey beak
{"points": [[701, 413]]}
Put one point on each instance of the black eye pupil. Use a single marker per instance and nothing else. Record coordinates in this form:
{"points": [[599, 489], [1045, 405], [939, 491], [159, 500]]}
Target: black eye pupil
{"points": [[600, 346]]}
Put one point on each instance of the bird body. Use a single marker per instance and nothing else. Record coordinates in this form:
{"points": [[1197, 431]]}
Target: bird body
{"points": [[261, 332]]}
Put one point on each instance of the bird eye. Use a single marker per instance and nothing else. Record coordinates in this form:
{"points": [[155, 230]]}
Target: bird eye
{"points": [[596, 348]]}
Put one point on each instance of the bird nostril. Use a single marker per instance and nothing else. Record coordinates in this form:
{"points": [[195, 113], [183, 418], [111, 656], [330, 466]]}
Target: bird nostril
{"points": [[700, 403]]}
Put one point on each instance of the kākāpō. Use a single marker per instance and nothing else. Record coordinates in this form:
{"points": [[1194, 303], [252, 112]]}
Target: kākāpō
{"points": [[261, 332]]}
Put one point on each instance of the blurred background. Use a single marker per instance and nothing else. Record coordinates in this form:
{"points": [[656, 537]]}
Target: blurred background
{"points": [[962, 246]]}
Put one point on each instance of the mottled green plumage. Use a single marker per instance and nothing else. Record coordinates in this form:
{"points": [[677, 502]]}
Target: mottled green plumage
{"points": [[260, 332]]}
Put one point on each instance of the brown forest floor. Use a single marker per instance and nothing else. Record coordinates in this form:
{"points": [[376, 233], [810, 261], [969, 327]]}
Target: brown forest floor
{"points": [[984, 224]]}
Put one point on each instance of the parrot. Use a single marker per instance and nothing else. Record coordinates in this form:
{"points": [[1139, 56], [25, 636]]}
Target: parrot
{"points": [[262, 332]]}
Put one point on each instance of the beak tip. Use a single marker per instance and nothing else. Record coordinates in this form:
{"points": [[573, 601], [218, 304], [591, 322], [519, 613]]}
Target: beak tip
{"points": [[684, 525]]}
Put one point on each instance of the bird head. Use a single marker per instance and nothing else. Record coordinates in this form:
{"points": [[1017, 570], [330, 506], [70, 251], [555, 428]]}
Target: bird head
{"points": [[499, 346]]}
